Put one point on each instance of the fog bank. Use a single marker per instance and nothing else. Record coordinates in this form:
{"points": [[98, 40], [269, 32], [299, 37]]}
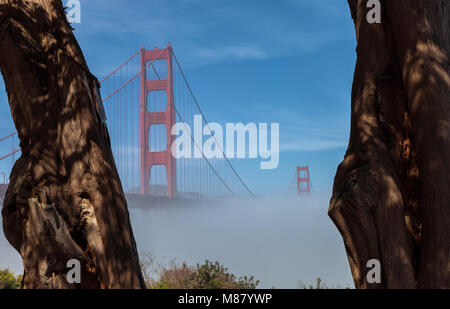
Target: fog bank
{"points": [[279, 240]]}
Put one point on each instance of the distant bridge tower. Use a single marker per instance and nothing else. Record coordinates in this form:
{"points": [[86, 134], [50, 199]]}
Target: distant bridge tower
{"points": [[147, 119], [303, 180]]}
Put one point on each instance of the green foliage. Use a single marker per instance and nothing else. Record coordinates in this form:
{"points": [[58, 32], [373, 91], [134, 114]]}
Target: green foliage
{"points": [[215, 276], [210, 275], [175, 277], [8, 280], [160, 273]]}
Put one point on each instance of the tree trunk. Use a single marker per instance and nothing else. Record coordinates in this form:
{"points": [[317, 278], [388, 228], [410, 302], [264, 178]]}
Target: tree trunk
{"points": [[65, 200], [391, 196]]}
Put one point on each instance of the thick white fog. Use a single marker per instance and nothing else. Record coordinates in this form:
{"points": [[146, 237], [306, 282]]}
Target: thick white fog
{"points": [[278, 240]]}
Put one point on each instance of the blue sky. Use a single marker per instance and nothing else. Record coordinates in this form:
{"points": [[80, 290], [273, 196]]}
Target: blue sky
{"points": [[286, 61]]}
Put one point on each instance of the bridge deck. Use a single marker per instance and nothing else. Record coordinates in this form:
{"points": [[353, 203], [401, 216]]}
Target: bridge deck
{"points": [[136, 201]]}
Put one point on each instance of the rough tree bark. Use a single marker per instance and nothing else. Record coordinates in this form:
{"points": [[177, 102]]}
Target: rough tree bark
{"points": [[391, 196], [65, 200]]}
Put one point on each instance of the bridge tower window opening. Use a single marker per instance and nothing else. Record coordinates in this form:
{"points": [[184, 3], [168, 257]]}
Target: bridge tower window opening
{"points": [[158, 181], [157, 70], [157, 138], [157, 101]]}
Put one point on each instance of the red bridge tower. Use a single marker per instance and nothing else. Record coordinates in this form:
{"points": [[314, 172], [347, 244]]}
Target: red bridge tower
{"points": [[147, 119], [303, 180]]}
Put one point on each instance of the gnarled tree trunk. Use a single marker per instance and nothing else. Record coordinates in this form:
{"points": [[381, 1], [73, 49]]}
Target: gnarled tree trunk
{"points": [[65, 200], [391, 197]]}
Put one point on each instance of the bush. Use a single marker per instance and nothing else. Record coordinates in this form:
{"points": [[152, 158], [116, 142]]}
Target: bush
{"points": [[215, 276], [159, 274], [8, 280], [207, 276], [175, 277]]}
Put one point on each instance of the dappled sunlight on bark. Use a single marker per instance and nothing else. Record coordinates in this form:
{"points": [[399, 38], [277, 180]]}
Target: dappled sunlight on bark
{"points": [[390, 197]]}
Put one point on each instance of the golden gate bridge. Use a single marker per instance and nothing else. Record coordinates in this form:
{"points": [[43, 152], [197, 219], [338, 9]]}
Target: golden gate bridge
{"points": [[143, 98]]}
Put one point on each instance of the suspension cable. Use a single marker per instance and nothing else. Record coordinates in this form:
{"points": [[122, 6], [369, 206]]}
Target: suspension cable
{"points": [[204, 118]]}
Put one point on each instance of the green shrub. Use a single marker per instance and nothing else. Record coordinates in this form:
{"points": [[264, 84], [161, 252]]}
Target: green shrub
{"points": [[215, 276], [8, 280], [160, 274]]}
